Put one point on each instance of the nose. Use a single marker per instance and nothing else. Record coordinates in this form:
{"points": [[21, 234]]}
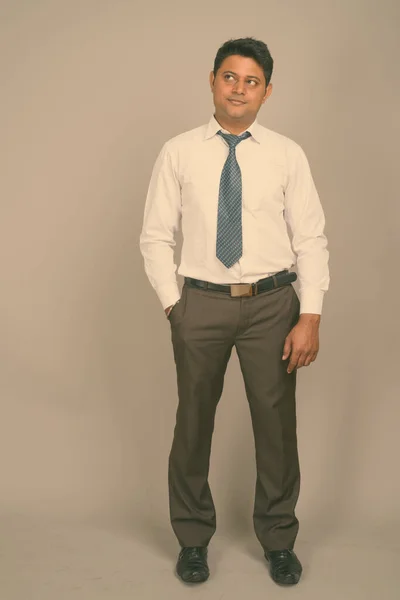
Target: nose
{"points": [[239, 87]]}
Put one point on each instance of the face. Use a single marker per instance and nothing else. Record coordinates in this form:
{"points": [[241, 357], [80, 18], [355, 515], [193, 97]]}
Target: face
{"points": [[239, 90]]}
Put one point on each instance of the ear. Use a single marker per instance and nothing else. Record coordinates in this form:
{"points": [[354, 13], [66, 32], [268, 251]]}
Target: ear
{"points": [[211, 79], [268, 92]]}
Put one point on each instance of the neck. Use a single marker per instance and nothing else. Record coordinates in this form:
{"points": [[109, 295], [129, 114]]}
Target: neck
{"points": [[236, 127]]}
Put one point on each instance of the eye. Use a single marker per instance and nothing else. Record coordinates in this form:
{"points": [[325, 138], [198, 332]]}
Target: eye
{"points": [[253, 82]]}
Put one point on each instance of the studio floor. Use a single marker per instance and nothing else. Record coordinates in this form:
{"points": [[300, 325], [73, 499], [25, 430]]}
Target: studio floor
{"points": [[55, 559]]}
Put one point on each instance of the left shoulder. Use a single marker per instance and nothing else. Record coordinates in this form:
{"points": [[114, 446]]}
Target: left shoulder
{"points": [[282, 145]]}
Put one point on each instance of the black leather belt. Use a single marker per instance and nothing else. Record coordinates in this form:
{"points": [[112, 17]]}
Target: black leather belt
{"points": [[237, 290]]}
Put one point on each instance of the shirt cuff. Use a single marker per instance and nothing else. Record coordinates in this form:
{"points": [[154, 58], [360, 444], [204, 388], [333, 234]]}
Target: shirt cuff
{"points": [[311, 301], [168, 294]]}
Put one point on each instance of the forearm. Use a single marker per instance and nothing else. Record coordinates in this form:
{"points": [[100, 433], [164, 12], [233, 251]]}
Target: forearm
{"points": [[160, 269], [313, 274]]}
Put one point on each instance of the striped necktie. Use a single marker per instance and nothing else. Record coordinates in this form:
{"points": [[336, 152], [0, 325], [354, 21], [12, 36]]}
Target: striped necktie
{"points": [[229, 226]]}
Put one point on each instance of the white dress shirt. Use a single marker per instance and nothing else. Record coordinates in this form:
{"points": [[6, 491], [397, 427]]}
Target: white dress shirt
{"points": [[282, 217]]}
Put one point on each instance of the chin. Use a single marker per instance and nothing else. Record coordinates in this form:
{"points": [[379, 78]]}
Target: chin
{"points": [[235, 114], [235, 111]]}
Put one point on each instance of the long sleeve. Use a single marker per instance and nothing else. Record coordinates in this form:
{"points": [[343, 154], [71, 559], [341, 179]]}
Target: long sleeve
{"points": [[161, 221], [305, 217]]}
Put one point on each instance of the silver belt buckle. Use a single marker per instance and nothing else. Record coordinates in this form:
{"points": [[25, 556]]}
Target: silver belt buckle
{"points": [[241, 289]]}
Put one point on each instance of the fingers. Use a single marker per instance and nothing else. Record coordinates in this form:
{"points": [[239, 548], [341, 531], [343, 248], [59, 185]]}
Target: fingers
{"points": [[311, 357], [286, 348], [294, 359], [301, 359]]}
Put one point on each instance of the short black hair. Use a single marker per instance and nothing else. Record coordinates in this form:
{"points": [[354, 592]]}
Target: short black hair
{"points": [[249, 47]]}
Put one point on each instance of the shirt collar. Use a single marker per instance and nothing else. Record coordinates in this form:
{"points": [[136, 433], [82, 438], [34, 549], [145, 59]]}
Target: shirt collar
{"points": [[213, 127]]}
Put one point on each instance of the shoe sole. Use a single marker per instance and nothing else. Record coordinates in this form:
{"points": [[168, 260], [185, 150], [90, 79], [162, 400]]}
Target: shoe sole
{"points": [[285, 584]]}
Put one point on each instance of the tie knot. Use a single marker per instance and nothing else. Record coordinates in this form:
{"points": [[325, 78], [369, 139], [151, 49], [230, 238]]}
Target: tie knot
{"points": [[233, 140]]}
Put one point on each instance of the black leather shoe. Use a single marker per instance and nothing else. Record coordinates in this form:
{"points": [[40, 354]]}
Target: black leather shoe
{"points": [[284, 566], [192, 564]]}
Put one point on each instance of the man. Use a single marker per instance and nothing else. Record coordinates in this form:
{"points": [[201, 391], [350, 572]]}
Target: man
{"points": [[247, 204]]}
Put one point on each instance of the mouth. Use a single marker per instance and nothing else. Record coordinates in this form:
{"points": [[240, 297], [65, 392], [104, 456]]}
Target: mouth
{"points": [[236, 102]]}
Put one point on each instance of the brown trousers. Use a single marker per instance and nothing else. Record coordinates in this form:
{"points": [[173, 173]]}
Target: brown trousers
{"points": [[205, 325]]}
